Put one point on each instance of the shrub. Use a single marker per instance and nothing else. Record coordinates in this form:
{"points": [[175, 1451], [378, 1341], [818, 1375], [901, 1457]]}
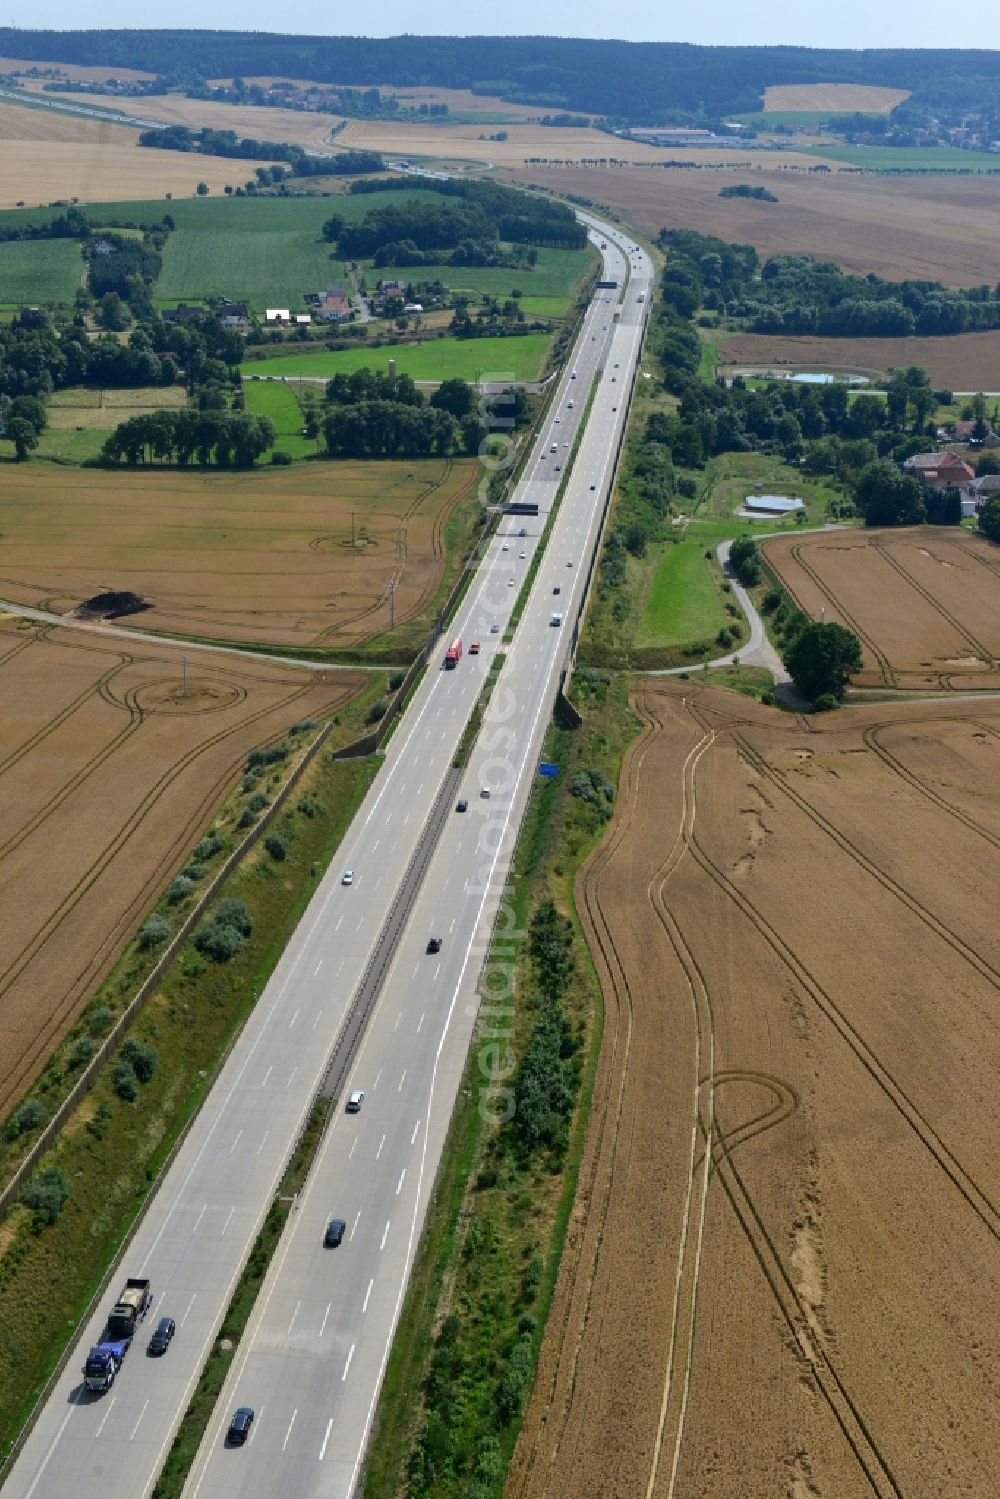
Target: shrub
{"points": [[193, 871], [46, 1192], [99, 1123], [257, 802], [302, 726], [277, 847], [220, 943], [270, 755], [247, 818], [533, 1277], [513, 1386], [310, 807], [376, 711], [234, 913], [179, 889], [771, 600], [280, 458], [100, 1021], [154, 930], [249, 781], [23, 1120], [209, 846], [81, 1052], [825, 703], [768, 699], [396, 681], [125, 1082], [141, 1058]]}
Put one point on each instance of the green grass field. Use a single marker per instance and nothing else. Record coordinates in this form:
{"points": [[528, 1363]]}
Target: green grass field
{"points": [[557, 274], [436, 359], [793, 118], [266, 251], [683, 599], [909, 159], [46, 270], [276, 401]]}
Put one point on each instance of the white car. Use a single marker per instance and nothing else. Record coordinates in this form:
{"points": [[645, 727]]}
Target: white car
{"points": [[485, 793], [505, 548], [522, 555], [347, 878]]}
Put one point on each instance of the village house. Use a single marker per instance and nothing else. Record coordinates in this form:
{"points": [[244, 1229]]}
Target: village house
{"points": [[277, 316], [978, 491], [939, 470], [181, 313], [104, 247], [235, 315], [965, 431], [334, 306], [392, 289]]}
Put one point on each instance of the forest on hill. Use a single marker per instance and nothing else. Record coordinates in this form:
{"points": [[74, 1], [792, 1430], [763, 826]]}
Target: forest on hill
{"points": [[628, 82]]}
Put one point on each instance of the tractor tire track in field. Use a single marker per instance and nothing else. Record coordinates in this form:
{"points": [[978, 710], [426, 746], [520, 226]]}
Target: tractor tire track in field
{"points": [[974, 1196], [884, 665], [42, 1039], [881, 547], [847, 846], [896, 767]]}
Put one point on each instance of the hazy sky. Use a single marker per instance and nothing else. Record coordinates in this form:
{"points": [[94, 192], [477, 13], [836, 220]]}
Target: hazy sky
{"points": [[848, 23]]}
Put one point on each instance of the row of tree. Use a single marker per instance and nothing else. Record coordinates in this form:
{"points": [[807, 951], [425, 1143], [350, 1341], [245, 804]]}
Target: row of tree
{"points": [[208, 142], [796, 294], [228, 439]]}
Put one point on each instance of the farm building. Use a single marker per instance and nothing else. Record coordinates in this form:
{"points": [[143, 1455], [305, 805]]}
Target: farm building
{"points": [[277, 315], [939, 470], [966, 431]]}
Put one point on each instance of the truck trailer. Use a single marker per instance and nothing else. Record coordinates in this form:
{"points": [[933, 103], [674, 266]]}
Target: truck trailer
{"points": [[453, 655], [129, 1310]]}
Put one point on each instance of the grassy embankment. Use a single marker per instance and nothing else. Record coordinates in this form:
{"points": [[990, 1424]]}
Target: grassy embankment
{"points": [[112, 1151], [464, 1355]]}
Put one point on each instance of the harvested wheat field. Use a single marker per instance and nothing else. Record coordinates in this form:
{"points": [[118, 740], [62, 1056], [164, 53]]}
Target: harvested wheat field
{"points": [[263, 556], [924, 601], [940, 228], [781, 1274], [38, 171], [960, 361], [294, 126], [844, 98], [107, 776]]}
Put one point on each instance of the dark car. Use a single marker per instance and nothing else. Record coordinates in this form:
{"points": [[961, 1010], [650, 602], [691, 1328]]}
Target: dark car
{"points": [[334, 1235], [239, 1426], [160, 1341], [434, 944], [463, 806]]}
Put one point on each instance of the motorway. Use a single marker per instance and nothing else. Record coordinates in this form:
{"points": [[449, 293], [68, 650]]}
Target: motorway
{"points": [[312, 1359]]}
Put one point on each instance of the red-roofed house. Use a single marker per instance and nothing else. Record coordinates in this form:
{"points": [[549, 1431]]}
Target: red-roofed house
{"points": [[939, 470]]}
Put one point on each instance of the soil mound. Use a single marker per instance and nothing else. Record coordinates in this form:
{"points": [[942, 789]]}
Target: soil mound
{"points": [[111, 606]]}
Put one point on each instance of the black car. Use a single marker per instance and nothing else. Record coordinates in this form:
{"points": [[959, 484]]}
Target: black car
{"points": [[334, 1235], [463, 806], [160, 1341], [434, 944], [239, 1426]]}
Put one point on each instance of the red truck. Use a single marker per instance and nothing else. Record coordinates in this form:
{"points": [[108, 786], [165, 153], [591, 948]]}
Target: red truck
{"points": [[453, 655]]}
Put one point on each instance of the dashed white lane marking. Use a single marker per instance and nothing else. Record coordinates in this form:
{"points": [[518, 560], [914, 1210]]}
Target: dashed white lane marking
{"points": [[398, 1019], [103, 1418], [289, 1431], [190, 1304], [235, 1142], [322, 1326], [197, 1221], [399, 1185], [421, 1020], [354, 1146], [402, 1080], [356, 1222], [291, 1323], [296, 1015], [348, 1364], [319, 965], [416, 1131], [291, 1078], [364, 1307], [385, 1235], [263, 1142], [329, 1428], [380, 1144], [228, 1221], [138, 1423], [267, 1074]]}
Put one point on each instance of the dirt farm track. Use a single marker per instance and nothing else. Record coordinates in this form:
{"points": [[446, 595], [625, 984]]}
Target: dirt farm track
{"points": [[782, 1271], [107, 777], [924, 601]]}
